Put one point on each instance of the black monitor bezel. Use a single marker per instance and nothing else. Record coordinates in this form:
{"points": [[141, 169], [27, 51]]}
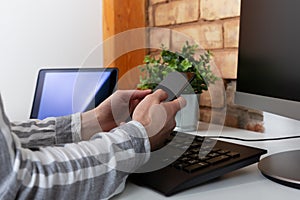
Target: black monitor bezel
{"points": [[246, 93], [41, 77]]}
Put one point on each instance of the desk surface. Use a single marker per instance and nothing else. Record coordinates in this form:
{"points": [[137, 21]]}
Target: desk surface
{"points": [[246, 183]]}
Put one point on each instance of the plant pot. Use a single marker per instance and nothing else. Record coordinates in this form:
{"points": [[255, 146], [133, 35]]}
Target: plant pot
{"points": [[187, 118]]}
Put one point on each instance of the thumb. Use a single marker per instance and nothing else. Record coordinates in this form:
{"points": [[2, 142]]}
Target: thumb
{"points": [[180, 101], [176, 104]]}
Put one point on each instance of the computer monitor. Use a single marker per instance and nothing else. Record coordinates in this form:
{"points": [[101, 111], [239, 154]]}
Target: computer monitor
{"points": [[64, 91], [269, 72]]}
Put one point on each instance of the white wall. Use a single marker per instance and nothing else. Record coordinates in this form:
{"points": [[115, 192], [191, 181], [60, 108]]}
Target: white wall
{"points": [[42, 33]]}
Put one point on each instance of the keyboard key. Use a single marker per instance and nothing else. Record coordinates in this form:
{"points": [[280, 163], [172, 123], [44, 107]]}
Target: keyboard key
{"points": [[212, 155], [195, 167], [218, 159], [215, 149], [233, 154], [184, 159], [203, 154], [194, 156], [191, 162], [197, 157], [223, 151], [203, 158], [195, 145], [180, 165], [194, 151], [186, 153]]}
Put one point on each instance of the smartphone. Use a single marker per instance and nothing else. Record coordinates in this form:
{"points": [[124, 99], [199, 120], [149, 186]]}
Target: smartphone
{"points": [[175, 83]]}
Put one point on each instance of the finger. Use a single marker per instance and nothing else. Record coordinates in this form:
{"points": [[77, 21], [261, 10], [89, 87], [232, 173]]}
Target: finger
{"points": [[176, 104], [181, 101], [140, 94], [160, 95], [133, 105], [137, 97]]}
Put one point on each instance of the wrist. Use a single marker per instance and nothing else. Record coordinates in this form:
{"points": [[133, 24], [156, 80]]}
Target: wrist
{"points": [[89, 124], [142, 134]]}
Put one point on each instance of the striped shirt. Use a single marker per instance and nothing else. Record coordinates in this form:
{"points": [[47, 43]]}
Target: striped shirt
{"points": [[45, 159]]}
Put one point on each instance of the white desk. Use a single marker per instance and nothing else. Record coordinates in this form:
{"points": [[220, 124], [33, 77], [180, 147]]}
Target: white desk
{"points": [[246, 183]]}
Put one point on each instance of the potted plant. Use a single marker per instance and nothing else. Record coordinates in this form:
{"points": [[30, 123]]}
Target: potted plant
{"points": [[156, 68]]}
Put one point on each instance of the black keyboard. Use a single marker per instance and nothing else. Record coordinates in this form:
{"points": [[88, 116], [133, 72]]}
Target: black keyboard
{"points": [[189, 161]]}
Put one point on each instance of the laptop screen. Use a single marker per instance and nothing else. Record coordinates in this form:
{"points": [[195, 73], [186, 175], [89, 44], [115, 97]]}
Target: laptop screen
{"points": [[61, 92]]}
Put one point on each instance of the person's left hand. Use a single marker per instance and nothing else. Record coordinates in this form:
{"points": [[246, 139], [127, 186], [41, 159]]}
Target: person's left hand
{"points": [[119, 107], [110, 113]]}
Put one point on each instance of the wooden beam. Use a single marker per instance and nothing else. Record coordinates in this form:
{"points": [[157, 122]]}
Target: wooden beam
{"points": [[121, 16]]}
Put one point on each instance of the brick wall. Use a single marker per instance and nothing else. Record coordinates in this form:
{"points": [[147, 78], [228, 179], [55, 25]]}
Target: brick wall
{"points": [[214, 24]]}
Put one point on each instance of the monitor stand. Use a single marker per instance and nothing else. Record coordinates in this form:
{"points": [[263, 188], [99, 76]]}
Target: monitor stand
{"points": [[283, 168]]}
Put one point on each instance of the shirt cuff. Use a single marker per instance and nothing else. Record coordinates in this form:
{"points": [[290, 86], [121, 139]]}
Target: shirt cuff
{"points": [[76, 127], [144, 135]]}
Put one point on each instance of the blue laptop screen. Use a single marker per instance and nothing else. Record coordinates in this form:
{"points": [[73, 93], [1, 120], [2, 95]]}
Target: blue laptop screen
{"points": [[65, 92]]}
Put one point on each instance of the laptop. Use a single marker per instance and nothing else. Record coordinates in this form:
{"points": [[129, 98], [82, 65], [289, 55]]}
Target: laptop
{"points": [[65, 91]]}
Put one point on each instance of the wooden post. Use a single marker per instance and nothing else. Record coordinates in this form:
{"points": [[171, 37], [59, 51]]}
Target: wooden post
{"points": [[120, 16]]}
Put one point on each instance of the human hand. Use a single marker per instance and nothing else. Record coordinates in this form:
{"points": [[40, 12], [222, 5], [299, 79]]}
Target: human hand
{"points": [[158, 117], [110, 113], [118, 107]]}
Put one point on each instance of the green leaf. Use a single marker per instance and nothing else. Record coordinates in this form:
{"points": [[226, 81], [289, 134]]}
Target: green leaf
{"points": [[184, 61], [186, 64]]}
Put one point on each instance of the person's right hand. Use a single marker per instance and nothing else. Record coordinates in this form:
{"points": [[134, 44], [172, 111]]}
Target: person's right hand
{"points": [[158, 117]]}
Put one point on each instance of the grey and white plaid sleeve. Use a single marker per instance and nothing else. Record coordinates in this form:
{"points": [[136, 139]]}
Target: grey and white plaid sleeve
{"points": [[95, 169]]}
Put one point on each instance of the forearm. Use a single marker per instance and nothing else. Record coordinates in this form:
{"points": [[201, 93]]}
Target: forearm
{"points": [[96, 169], [48, 132]]}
